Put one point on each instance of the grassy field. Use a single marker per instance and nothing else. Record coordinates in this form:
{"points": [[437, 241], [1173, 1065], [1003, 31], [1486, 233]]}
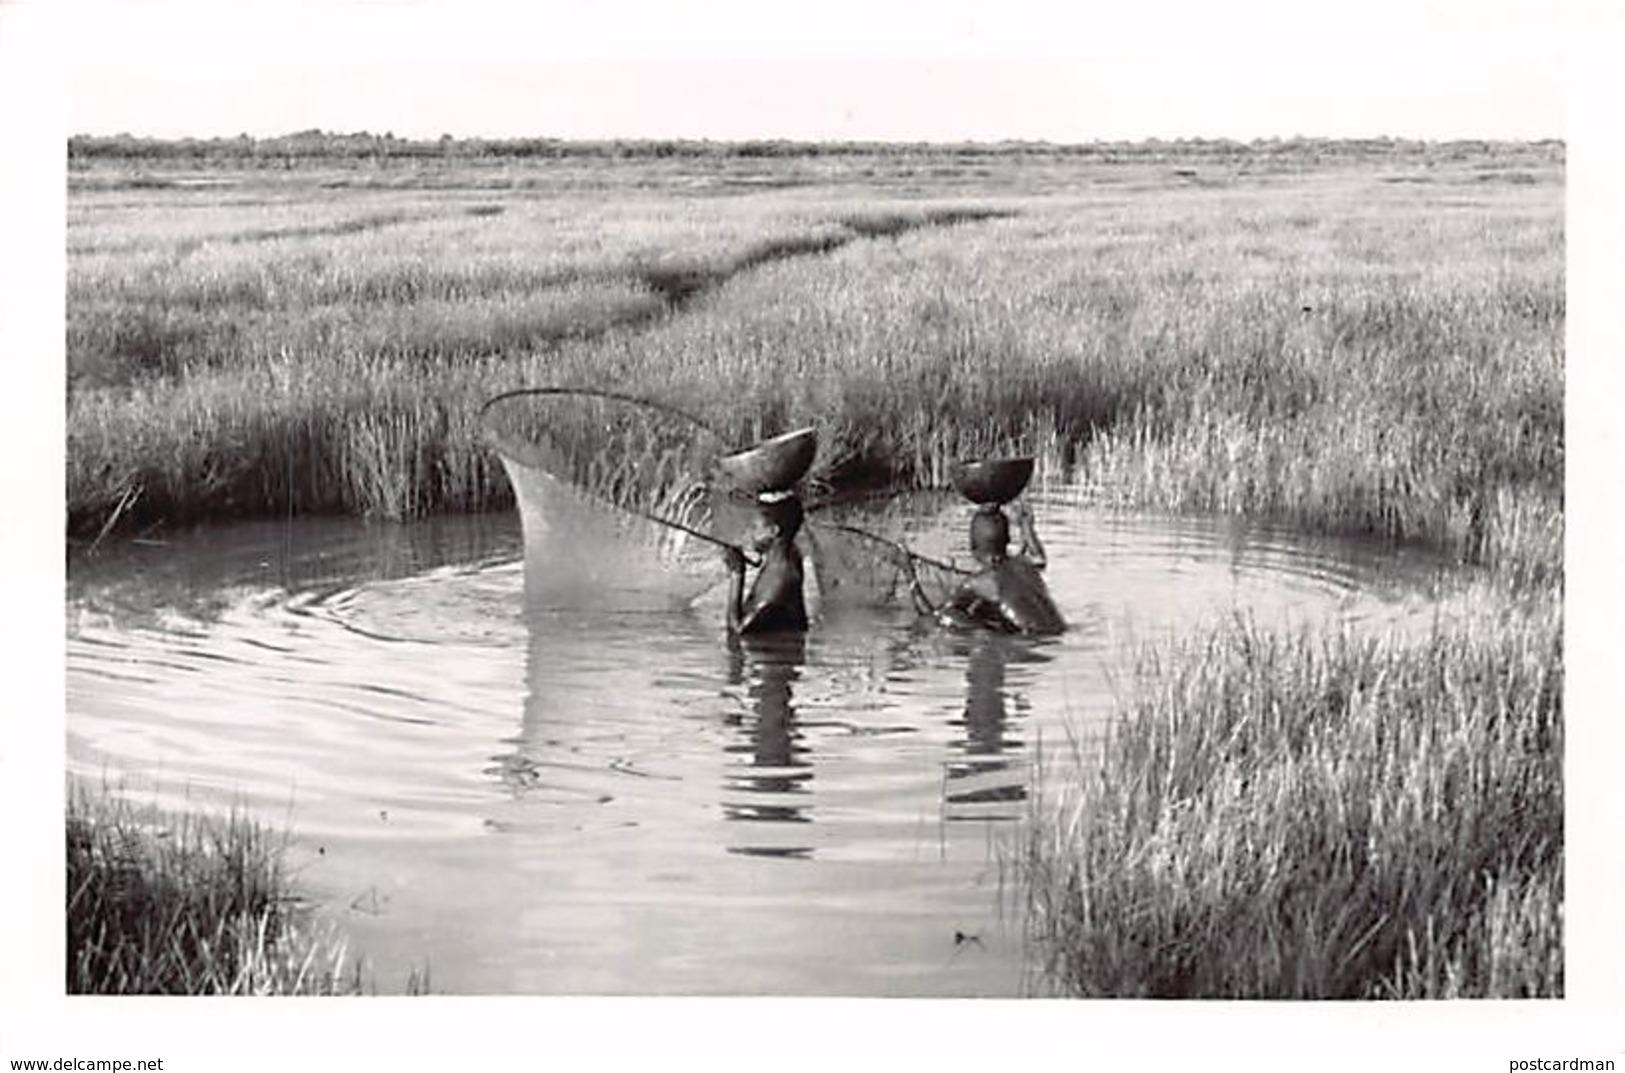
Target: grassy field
{"points": [[1368, 348], [1362, 340], [186, 905]]}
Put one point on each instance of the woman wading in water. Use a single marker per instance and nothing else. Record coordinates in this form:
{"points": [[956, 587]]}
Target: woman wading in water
{"points": [[768, 472], [1008, 594], [776, 602]]}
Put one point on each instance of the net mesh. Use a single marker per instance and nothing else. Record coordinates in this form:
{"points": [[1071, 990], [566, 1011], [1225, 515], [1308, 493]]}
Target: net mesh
{"points": [[624, 508], [616, 497]]}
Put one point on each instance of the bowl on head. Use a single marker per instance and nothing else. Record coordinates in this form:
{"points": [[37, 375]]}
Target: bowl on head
{"points": [[992, 481], [772, 465]]}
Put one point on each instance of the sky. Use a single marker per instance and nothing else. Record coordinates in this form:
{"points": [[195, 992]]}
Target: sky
{"points": [[845, 69]]}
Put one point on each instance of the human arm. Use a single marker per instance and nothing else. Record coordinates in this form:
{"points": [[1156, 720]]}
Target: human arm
{"points": [[734, 559], [916, 591], [1031, 549], [776, 600], [974, 602], [959, 608]]}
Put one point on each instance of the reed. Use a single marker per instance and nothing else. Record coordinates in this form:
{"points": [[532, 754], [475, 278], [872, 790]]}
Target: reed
{"points": [[187, 905], [1323, 815]]}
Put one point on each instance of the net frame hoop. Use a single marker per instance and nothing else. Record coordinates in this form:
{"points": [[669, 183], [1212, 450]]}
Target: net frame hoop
{"points": [[599, 393]]}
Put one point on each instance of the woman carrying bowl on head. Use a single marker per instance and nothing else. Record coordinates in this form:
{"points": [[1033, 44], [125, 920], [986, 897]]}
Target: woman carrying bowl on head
{"points": [[768, 472], [1008, 593], [776, 602]]}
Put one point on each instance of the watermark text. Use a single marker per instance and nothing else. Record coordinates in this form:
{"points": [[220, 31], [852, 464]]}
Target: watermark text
{"points": [[90, 1065]]}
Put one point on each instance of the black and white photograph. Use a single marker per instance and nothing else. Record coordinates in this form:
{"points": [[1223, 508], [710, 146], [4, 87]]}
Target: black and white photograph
{"points": [[1064, 512]]}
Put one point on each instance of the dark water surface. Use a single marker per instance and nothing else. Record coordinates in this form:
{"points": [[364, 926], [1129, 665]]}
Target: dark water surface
{"points": [[625, 802]]}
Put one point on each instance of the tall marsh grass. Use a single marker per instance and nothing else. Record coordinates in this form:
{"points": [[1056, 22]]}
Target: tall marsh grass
{"points": [[186, 905], [1324, 815], [1344, 353]]}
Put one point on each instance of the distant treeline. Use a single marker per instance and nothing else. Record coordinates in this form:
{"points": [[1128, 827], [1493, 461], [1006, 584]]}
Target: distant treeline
{"points": [[317, 144]]}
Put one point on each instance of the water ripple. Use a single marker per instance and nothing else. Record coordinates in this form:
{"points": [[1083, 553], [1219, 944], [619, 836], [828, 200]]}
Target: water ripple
{"points": [[622, 801]]}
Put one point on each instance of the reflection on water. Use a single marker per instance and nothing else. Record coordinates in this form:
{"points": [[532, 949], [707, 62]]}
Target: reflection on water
{"points": [[987, 780], [768, 782], [624, 802]]}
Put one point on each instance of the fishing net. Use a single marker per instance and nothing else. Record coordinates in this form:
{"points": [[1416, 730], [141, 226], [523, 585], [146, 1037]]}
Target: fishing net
{"points": [[626, 506], [615, 495], [869, 551]]}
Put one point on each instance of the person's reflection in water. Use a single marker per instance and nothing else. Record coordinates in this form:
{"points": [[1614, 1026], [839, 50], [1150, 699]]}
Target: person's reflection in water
{"points": [[773, 787], [985, 784]]}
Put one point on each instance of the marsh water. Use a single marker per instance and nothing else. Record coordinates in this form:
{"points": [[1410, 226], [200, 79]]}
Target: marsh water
{"points": [[582, 802]]}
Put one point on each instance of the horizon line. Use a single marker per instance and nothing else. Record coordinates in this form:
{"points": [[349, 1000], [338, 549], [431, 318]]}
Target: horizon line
{"points": [[792, 140]]}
